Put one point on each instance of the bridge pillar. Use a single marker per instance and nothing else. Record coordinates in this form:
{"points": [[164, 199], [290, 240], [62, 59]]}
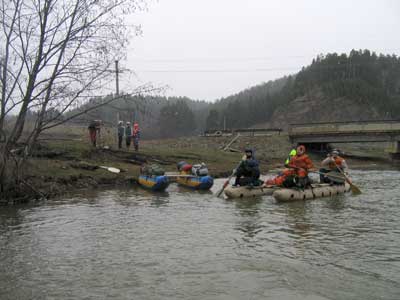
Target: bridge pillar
{"points": [[395, 151]]}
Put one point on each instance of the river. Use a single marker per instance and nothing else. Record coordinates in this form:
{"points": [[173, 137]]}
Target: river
{"points": [[132, 244]]}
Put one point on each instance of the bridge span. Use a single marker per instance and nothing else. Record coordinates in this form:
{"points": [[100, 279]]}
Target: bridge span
{"points": [[348, 132]]}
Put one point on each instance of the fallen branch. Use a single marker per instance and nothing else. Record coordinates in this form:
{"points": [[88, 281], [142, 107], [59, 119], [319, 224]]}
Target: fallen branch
{"points": [[37, 192], [233, 150], [225, 148]]}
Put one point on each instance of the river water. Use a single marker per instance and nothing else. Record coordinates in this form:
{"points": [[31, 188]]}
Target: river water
{"points": [[131, 244]]}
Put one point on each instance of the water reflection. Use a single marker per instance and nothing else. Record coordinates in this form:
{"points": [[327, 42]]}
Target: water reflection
{"points": [[248, 206], [248, 221]]}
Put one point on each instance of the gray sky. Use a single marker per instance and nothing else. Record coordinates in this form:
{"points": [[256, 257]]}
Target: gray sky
{"points": [[208, 49]]}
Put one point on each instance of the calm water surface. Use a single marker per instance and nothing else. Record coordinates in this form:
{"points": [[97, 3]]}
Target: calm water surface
{"points": [[130, 244]]}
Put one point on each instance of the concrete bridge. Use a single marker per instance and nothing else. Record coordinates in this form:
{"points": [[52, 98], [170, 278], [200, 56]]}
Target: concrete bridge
{"points": [[321, 134]]}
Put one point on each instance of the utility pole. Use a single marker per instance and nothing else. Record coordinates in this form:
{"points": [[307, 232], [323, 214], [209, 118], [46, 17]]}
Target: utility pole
{"points": [[117, 85], [224, 123], [116, 78]]}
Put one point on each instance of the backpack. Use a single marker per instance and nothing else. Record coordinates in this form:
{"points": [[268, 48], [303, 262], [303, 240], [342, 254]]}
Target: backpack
{"points": [[200, 169], [184, 166], [152, 169]]}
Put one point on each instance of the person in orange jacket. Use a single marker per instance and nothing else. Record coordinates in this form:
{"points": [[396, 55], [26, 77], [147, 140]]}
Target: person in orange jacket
{"points": [[301, 163], [297, 172], [333, 163]]}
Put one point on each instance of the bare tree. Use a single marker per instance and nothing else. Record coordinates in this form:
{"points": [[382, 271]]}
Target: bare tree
{"points": [[54, 55]]}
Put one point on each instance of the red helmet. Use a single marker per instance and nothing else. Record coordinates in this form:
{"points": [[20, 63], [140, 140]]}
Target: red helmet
{"points": [[301, 149]]}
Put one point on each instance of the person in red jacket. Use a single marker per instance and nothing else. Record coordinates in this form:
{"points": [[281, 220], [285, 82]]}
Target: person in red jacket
{"points": [[301, 163], [136, 136], [297, 172]]}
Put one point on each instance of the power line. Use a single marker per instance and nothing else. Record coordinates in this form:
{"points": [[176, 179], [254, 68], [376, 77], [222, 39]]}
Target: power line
{"points": [[221, 59], [312, 68], [261, 58], [220, 70]]}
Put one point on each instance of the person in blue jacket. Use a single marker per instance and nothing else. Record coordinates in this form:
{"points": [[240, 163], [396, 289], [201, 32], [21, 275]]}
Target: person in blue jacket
{"points": [[128, 134], [248, 172], [120, 133]]}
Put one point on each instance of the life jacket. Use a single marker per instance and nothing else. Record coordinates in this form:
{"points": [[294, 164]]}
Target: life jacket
{"points": [[301, 161], [278, 180], [338, 163], [292, 153]]}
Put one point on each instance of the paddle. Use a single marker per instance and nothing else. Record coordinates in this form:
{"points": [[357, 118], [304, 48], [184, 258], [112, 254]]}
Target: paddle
{"points": [[175, 177], [227, 181], [354, 189], [180, 175], [328, 175], [111, 169]]}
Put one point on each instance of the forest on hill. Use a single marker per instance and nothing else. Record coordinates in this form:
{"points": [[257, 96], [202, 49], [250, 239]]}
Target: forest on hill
{"points": [[357, 86]]}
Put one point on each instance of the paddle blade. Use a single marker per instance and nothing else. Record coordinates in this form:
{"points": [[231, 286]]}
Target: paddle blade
{"points": [[355, 190], [111, 169]]}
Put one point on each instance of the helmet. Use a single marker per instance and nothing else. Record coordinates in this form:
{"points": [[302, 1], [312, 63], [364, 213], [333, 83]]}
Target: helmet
{"points": [[128, 123], [248, 150], [335, 152], [301, 149]]}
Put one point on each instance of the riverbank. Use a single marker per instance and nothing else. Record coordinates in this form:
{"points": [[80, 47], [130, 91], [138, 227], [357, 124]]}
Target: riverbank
{"points": [[59, 166]]}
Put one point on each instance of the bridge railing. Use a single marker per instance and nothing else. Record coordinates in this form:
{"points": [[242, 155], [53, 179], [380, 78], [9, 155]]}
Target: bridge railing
{"points": [[344, 127]]}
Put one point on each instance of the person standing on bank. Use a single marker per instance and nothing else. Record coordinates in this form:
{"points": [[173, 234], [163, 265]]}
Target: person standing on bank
{"points": [[136, 136], [120, 132], [128, 134], [94, 131]]}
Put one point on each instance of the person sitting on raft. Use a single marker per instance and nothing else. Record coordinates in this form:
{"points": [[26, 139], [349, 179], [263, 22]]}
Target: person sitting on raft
{"points": [[297, 172], [333, 163], [248, 172]]}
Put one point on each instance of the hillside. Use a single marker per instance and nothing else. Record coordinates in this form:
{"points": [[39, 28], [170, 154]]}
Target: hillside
{"points": [[354, 87], [334, 87], [317, 107]]}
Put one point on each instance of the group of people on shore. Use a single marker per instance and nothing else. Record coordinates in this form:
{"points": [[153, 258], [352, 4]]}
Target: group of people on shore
{"points": [[297, 167], [130, 133]]}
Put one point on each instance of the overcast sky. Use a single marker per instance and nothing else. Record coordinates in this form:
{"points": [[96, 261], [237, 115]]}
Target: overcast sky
{"points": [[208, 49]]}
